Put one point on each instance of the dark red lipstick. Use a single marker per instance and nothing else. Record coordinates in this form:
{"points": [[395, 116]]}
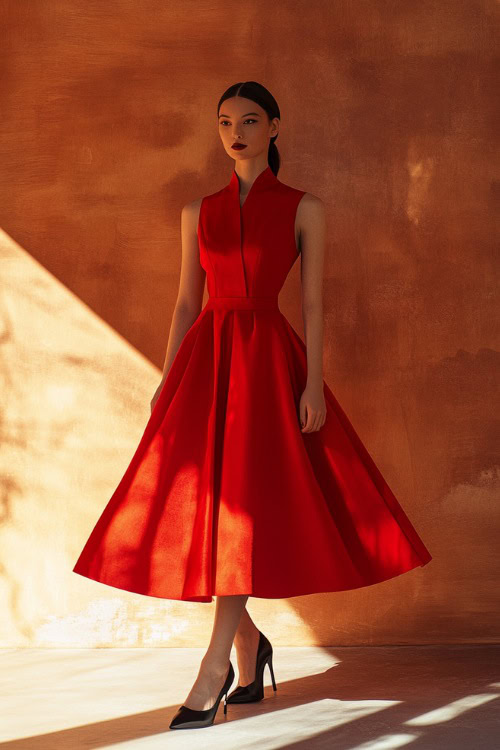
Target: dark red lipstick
{"points": [[239, 146]]}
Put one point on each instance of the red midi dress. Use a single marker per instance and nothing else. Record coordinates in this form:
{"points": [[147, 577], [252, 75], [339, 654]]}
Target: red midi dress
{"points": [[224, 493]]}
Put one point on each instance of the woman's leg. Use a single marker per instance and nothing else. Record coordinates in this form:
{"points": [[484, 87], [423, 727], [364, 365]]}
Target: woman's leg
{"points": [[215, 663], [246, 642]]}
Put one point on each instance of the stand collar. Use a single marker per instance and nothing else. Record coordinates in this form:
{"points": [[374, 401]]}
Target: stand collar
{"points": [[264, 179]]}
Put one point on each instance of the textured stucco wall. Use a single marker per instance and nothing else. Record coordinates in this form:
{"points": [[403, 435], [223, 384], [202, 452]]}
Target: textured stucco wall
{"points": [[108, 128]]}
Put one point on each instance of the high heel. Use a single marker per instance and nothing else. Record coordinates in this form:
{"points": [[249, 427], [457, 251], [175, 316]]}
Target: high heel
{"points": [[255, 690], [189, 718]]}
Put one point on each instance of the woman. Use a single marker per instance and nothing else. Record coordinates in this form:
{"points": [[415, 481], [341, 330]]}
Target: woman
{"points": [[249, 479]]}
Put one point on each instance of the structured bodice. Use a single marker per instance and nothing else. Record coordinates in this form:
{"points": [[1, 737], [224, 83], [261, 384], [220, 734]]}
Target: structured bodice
{"points": [[247, 251]]}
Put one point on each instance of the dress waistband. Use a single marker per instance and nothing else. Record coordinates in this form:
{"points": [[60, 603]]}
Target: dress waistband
{"points": [[243, 303]]}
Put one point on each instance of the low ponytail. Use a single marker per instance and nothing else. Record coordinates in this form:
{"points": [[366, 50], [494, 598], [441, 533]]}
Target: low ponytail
{"points": [[273, 156]]}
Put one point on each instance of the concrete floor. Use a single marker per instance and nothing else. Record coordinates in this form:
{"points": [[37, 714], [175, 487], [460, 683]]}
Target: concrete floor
{"points": [[347, 698]]}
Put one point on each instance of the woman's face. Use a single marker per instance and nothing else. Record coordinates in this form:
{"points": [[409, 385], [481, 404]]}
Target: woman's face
{"points": [[243, 121]]}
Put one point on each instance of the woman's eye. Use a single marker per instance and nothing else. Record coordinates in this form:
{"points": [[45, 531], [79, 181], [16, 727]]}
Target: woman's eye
{"points": [[250, 119]]}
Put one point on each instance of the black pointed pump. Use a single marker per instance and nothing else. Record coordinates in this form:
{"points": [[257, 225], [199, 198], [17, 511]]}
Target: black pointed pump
{"points": [[188, 718], [255, 690]]}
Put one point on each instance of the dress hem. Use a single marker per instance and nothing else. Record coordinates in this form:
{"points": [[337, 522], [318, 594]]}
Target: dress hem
{"points": [[208, 598]]}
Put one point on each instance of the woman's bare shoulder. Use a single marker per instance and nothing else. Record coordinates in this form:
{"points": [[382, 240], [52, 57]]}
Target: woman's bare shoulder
{"points": [[193, 207], [191, 213], [310, 208], [311, 202]]}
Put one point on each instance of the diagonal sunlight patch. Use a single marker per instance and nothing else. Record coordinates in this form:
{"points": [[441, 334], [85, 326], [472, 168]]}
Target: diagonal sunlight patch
{"points": [[386, 742], [452, 710], [75, 398]]}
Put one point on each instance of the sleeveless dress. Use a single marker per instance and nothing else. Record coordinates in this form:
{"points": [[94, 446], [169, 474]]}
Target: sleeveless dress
{"points": [[224, 493]]}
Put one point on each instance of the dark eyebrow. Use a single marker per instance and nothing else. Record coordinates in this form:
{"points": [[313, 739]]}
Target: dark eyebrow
{"points": [[248, 113]]}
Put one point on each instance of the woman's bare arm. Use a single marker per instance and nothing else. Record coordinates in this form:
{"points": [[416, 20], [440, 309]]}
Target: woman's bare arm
{"points": [[191, 286], [312, 227]]}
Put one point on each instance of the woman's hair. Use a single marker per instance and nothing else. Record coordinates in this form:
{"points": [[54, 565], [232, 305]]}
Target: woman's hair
{"points": [[261, 96]]}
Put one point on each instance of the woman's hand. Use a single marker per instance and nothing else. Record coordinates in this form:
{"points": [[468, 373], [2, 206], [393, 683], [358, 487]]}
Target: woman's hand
{"points": [[312, 408]]}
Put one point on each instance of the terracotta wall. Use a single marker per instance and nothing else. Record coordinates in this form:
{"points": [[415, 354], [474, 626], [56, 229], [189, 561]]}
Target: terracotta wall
{"points": [[108, 127]]}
